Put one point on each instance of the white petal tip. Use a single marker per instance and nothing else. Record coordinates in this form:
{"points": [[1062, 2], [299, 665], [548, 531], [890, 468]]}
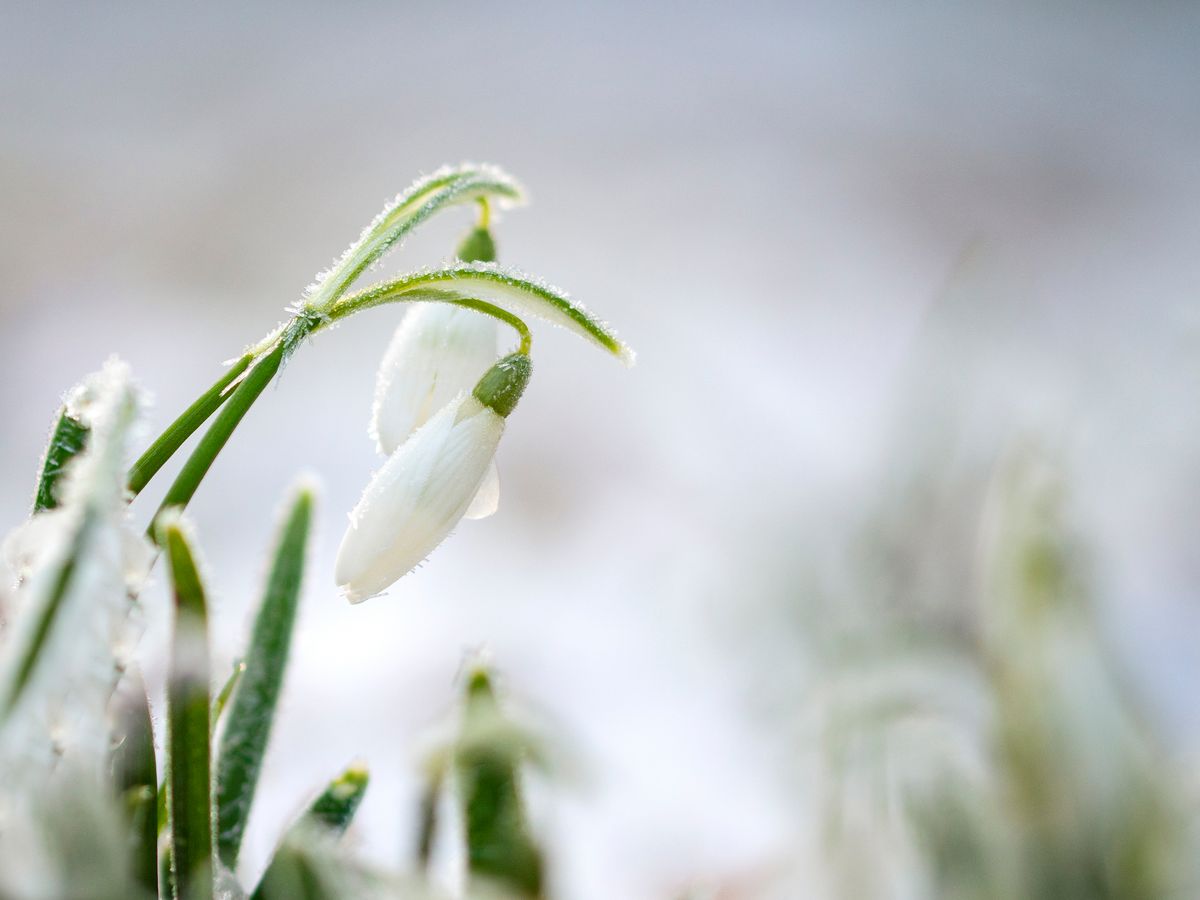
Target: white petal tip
{"points": [[353, 596]]}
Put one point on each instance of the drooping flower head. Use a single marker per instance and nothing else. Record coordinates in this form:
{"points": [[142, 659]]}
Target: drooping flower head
{"points": [[428, 484], [438, 421]]}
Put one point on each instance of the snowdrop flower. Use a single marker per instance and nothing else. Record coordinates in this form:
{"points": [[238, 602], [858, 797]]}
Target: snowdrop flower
{"points": [[438, 352], [428, 484]]}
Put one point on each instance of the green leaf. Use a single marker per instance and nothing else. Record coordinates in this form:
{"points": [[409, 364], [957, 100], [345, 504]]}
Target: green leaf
{"points": [[293, 875], [68, 439], [218, 708], [336, 805], [427, 196], [508, 289], [252, 710], [231, 683], [181, 429], [290, 873], [241, 398], [34, 639], [135, 779], [500, 845], [427, 818], [189, 801]]}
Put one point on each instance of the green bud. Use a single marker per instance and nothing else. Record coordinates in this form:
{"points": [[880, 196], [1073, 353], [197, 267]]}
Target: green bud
{"points": [[477, 246], [503, 384]]}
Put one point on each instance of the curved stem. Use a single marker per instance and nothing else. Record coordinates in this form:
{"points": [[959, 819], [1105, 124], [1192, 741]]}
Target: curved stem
{"points": [[504, 316], [359, 302], [181, 429]]}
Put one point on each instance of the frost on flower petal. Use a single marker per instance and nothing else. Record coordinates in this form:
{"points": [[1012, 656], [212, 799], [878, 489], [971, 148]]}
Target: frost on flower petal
{"points": [[421, 492], [438, 351]]}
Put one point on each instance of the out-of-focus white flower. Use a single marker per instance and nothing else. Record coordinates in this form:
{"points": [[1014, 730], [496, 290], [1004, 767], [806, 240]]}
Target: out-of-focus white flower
{"points": [[438, 352], [428, 484]]}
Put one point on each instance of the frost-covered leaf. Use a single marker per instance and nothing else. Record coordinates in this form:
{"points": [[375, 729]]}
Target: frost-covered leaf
{"points": [[66, 440], [64, 838], [189, 420], [189, 776], [69, 634], [444, 188], [509, 289], [252, 709]]}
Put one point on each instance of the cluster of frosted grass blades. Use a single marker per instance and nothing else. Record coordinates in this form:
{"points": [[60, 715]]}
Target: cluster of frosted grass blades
{"points": [[87, 809]]}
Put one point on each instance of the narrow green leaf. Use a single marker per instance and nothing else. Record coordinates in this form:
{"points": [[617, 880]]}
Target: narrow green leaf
{"points": [[336, 805], [244, 738], [231, 683], [181, 429], [27, 654], [135, 779], [293, 875], [427, 196], [506, 288], [427, 819], [68, 438], [189, 801], [289, 873], [138, 803], [500, 846], [210, 445], [218, 708]]}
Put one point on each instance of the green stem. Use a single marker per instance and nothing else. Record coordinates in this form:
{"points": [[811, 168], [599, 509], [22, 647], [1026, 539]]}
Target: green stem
{"points": [[360, 302], [238, 404], [264, 363], [182, 428]]}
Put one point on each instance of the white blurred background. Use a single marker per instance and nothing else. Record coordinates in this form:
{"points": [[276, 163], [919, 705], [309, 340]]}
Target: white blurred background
{"points": [[828, 229]]}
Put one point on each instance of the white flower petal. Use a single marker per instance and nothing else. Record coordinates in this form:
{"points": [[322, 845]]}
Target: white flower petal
{"points": [[438, 351], [487, 498], [418, 496]]}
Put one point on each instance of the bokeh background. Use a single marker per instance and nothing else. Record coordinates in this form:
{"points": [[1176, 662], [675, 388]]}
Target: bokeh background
{"points": [[857, 246]]}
